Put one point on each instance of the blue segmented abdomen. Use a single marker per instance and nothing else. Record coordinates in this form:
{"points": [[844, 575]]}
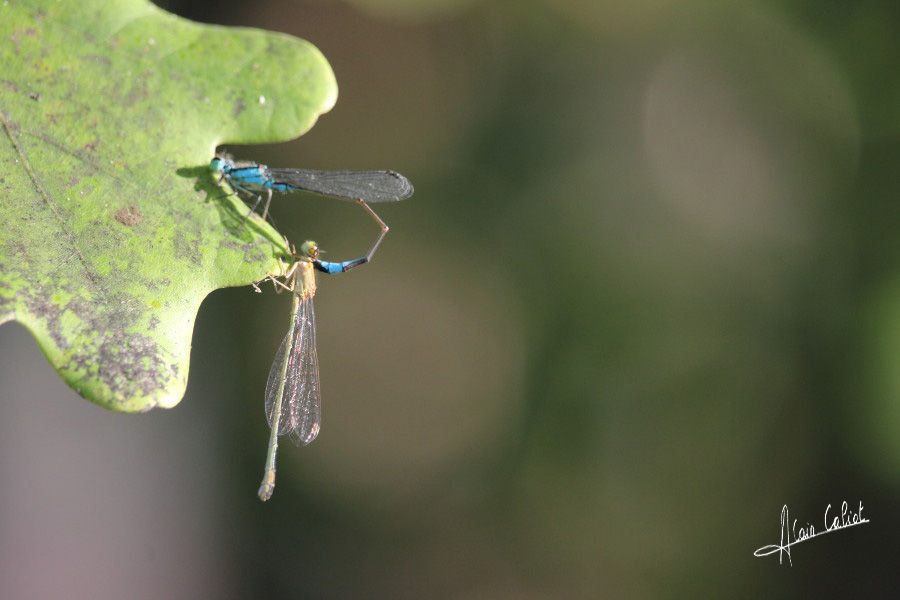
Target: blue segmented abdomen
{"points": [[338, 267], [331, 267]]}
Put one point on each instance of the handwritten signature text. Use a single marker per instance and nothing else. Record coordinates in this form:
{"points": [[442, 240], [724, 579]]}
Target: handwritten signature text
{"points": [[792, 534]]}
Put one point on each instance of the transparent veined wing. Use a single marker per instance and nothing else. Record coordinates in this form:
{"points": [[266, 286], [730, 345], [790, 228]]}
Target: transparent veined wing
{"points": [[371, 186], [297, 363]]}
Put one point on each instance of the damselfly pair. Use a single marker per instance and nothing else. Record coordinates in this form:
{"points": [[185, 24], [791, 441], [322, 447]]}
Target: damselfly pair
{"points": [[293, 398]]}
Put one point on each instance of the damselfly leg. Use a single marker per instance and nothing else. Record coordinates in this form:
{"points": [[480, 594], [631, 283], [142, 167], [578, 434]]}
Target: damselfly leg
{"points": [[381, 224]]}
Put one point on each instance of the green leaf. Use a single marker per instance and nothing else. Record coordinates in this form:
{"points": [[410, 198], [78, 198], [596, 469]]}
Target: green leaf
{"points": [[113, 227]]}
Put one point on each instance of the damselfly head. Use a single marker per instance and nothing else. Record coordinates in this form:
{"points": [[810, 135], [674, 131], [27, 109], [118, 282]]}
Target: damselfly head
{"points": [[309, 250], [222, 162]]}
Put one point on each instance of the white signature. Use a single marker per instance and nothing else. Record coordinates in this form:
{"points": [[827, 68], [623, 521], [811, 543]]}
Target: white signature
{"points": [[791, 535]]}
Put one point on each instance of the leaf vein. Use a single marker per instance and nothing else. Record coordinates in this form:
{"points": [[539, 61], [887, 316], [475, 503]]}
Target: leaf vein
{"points": [[8, 127]]}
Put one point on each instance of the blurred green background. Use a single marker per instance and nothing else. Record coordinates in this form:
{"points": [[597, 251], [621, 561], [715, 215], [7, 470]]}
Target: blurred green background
{"points": [[647, 292]]}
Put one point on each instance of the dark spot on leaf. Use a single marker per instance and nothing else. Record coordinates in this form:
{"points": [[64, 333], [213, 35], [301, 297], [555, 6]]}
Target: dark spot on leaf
{"points": [[17, 248], [129, 364], [157, 285], [139, 91], [187, 248], [51, 314], [128, 215], [252, 251], [103, 60]]}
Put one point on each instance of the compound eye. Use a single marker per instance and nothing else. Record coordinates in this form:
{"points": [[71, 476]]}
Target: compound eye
{"points": [[310, 249]]}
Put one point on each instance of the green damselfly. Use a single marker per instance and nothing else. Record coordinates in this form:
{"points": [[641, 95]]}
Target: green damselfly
{"points": [[293, 394]]}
